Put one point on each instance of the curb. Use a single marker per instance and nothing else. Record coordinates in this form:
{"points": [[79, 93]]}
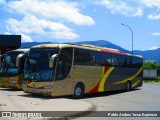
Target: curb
{"points": [[84, 113], [77, 114]]}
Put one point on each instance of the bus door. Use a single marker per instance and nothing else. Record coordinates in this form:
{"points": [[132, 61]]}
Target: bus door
{"points": [[63, 81]]}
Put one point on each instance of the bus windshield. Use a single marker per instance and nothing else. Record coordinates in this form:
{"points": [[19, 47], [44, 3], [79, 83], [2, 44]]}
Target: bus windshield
{"points": [[37, 64], [9, 64]]}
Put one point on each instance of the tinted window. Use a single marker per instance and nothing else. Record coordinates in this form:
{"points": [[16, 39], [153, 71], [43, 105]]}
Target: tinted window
{"points": [[89, 57], [37, 64], [84, 57], [64, 63], [105, 59]]}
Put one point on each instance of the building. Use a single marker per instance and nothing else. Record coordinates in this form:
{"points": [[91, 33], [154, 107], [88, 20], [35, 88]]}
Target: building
{"points": [[9, 42]]}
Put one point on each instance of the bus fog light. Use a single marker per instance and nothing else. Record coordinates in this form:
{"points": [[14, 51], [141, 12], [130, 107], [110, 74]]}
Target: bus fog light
{"points": [[14, 81], [47, 87]]}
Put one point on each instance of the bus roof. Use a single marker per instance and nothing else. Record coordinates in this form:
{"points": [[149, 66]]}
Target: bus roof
{"points": [[19, 50], [86, 46]]}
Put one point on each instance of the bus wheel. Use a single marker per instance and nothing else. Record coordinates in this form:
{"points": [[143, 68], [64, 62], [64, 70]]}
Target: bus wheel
{"points": [[128, 86], [78, 90]]}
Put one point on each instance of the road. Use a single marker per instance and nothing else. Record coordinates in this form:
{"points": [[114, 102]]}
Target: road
{"points": [[146, 98], [13, 100]]}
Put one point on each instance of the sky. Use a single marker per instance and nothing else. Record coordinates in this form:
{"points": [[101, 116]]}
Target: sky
{"points": [[84, 20]]}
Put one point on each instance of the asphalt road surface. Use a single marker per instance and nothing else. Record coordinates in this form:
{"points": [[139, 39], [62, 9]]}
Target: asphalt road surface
{"points": [[146, 98]]}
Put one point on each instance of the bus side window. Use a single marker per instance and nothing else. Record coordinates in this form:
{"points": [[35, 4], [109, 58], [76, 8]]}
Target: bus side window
{"points": [[115, 61], [64, 63], [105, 59], [84, 57]]}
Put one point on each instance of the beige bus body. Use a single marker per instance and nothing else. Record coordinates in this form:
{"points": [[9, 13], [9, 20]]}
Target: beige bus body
{"points": [[92, 79]]}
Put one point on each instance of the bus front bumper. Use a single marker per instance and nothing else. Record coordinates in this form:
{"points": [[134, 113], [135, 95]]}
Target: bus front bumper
{"points": [[11, 82], [37, 91]]}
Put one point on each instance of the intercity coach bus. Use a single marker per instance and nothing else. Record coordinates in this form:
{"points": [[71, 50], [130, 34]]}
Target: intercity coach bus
{"points": [[11, 68], [68, 69]]}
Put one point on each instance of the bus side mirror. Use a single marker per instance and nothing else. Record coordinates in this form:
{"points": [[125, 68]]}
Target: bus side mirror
{"points": [[52, 59], [18, 58]]}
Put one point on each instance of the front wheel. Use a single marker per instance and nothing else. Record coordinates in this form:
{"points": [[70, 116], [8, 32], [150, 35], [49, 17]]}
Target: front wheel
{"points": [[128, 86], [78, 91]]}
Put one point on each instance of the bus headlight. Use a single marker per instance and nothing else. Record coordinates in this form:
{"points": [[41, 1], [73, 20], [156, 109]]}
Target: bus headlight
{"points": [[48, 87], [14, 81]]}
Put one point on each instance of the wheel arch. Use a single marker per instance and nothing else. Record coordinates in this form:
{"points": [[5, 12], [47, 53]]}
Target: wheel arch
{"points": [[79, 83]]}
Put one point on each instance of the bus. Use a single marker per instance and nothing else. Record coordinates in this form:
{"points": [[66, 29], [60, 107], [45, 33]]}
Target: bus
{"points": [[70, 69], [11, 71]]}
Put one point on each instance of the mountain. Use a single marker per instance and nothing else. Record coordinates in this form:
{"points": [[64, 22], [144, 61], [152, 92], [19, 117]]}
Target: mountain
{"points": [[104, 43], [101, 43], [150, 54]]}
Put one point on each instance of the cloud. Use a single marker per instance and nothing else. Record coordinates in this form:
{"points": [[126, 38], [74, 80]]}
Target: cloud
{"points": [[132, 8], [156, 34], [2, 2], [26, 38], [150, 3], [34, 26], [53, 10], [122, 7], [7, 33], [154, 16], [139, 12], [153, 48]]}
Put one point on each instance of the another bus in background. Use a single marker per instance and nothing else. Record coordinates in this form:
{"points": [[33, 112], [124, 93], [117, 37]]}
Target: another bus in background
{"points": [[11, 68]]}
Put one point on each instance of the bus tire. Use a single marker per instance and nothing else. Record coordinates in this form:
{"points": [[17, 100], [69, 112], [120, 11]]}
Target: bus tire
{"points": [[78, 90], [128, 86]]}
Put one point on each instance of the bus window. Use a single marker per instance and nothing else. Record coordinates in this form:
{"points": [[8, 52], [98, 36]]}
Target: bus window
{"points": [[116, 60], [126, 62], [106, 59], [64, 63], [84, 57]]}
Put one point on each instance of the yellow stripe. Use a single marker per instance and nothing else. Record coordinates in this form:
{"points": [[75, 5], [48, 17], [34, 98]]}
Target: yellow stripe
{"points": [[102, 82], [130, 78], [135, 83], [103, 71]]}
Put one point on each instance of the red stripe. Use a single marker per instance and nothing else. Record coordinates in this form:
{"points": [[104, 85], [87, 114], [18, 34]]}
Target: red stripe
{"points": [[28, 82], [114, 52], [106, 69], [95, 89]]}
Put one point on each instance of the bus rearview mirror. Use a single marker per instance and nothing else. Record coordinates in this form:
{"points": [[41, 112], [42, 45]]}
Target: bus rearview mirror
{"points": [[18, 59], [51, 61]]}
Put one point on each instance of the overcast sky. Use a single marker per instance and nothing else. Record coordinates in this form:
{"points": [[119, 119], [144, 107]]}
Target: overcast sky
{"points": [[83, 20]]}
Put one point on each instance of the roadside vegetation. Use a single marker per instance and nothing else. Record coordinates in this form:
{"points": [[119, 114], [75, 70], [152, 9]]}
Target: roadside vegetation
{"points": [[151, 65]]}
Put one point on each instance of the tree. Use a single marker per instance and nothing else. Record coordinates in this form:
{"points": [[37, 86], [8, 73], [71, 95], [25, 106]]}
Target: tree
{"points": [[151, 65]]}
